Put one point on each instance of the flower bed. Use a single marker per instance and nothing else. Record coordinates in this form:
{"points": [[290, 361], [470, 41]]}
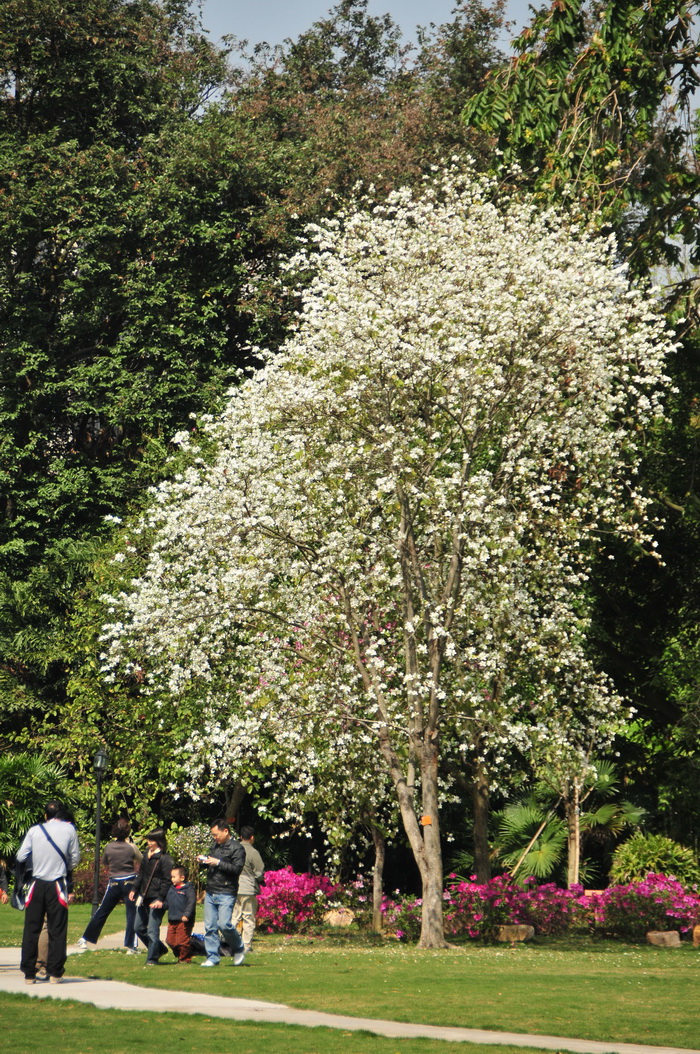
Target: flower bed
{"points": [[658, 902], [292, 903]]}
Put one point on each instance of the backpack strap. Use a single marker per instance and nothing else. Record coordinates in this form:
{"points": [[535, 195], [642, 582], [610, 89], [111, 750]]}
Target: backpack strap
{"points": [[59, 851]]}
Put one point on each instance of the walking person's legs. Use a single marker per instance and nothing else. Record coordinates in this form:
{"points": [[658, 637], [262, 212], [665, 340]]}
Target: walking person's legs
{"points": [[228, 931], [156, 948], [244, 913], [111, 898], [212, 940], [130, 939], [57, 922], [34, 914]]}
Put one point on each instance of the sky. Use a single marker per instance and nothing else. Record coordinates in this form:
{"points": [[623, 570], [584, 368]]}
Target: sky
{"points": [[274, 20]]}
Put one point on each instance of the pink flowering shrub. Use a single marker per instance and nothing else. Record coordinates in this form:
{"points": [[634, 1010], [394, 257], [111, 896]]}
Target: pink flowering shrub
{"points": [[290, 903], [477, 909], [658, 902]]}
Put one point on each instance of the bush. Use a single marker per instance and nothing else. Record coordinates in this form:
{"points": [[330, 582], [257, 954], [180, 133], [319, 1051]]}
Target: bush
{"points": [[185, 844], [658, 902], [644, 854], [291, 903], [84, 883]]}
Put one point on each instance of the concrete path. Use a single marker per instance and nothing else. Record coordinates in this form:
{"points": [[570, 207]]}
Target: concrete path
{"points": [[119, 996]]}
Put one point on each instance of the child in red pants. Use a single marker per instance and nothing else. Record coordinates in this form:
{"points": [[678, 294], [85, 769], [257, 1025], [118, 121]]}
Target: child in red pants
{"points": [[181, 903]]}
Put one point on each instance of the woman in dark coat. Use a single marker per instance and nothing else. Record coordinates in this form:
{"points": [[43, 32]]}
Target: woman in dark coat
{"points": [[148, 893]]}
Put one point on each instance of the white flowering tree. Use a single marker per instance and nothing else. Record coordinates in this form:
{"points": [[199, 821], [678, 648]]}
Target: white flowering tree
{"points": [[398, 526]]}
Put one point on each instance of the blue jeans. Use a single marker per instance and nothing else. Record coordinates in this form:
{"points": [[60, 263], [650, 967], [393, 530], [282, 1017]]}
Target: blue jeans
{"points": [[218, 908], [117, 890], [148, 922]]}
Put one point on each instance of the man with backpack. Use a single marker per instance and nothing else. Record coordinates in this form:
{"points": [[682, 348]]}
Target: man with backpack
{"points": [[54, 851]]}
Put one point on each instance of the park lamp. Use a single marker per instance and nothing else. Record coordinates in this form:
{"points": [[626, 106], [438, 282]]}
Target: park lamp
{"points": [[100, 762]]}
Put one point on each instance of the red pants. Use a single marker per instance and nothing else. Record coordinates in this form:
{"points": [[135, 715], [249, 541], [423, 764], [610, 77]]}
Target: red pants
{"points": [[178, 938]]}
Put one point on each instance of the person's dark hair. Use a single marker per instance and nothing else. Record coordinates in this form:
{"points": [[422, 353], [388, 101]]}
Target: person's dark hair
{"points": [[182, 869], [223, 824], [121, 829], [65, 814], [52, 809], [247, 833], [158, 836]]}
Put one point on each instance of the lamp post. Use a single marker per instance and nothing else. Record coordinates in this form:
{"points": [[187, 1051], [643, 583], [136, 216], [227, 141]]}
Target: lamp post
{"points": [[99, 764]]}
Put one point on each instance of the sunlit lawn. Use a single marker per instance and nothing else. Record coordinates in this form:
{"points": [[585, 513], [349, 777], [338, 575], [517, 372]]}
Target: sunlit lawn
{"points": [[12, 922], [37, 1028], [586, 989]]}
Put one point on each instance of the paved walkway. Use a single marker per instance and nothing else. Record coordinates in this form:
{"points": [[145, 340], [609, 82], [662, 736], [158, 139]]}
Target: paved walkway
{"points": [[119, 996]]}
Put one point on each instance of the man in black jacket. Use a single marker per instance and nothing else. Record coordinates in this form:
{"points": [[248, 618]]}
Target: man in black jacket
{"points": [[224, 864]]}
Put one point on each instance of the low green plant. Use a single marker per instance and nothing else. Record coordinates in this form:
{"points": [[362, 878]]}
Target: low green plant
{"points": [[643, 854]]}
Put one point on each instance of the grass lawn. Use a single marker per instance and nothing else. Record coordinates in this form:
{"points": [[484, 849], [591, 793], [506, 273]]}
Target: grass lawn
{"points": [[12, 923], [584, 989], [38, 1028]]}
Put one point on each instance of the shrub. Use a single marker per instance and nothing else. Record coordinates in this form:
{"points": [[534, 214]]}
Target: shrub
{"points": [[658, 902], [185, 844], [84, 883], [643, 854], [291, 903], [477, 910]]}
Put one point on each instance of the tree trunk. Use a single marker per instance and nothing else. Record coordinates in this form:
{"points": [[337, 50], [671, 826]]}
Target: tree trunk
{"points": [[423, 834], [378, 879], [573, 837], [480, 812], [432, 934], [234, 800]]}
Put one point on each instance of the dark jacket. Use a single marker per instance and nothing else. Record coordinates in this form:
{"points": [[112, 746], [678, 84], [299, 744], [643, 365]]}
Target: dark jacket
{"points": [[156, 887], [223, 877], [182, 901]]}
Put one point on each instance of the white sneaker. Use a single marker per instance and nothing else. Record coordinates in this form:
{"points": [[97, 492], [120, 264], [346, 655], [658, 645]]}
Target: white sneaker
{"points": [[238, 958], [81, 944], [209, 962], [133, 951]]}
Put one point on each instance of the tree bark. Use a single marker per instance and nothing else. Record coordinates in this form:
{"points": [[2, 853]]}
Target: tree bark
{"points": [[573, 837], [234, 799], [423, 836], [432, 926], [378, 879], [480, 811]]}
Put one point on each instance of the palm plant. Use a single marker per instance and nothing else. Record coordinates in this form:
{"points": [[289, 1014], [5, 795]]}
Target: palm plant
{"points": [[27, 782], [532, 833]]}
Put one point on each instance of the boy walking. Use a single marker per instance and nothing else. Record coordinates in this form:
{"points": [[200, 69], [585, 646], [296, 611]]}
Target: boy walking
{"points": [[181, 903]]}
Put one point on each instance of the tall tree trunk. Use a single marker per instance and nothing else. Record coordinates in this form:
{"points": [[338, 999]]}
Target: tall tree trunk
{"points": [[432, 933], [573, 836], [480, 812], [378, 879], [423, 833]]}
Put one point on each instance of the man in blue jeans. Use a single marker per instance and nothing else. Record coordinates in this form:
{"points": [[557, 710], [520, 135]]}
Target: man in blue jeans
{"points": [[224, 864]]}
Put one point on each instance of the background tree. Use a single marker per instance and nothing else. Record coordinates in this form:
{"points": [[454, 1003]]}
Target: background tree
{"points": [[596, 108], [122, 262], [142, 228]]}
